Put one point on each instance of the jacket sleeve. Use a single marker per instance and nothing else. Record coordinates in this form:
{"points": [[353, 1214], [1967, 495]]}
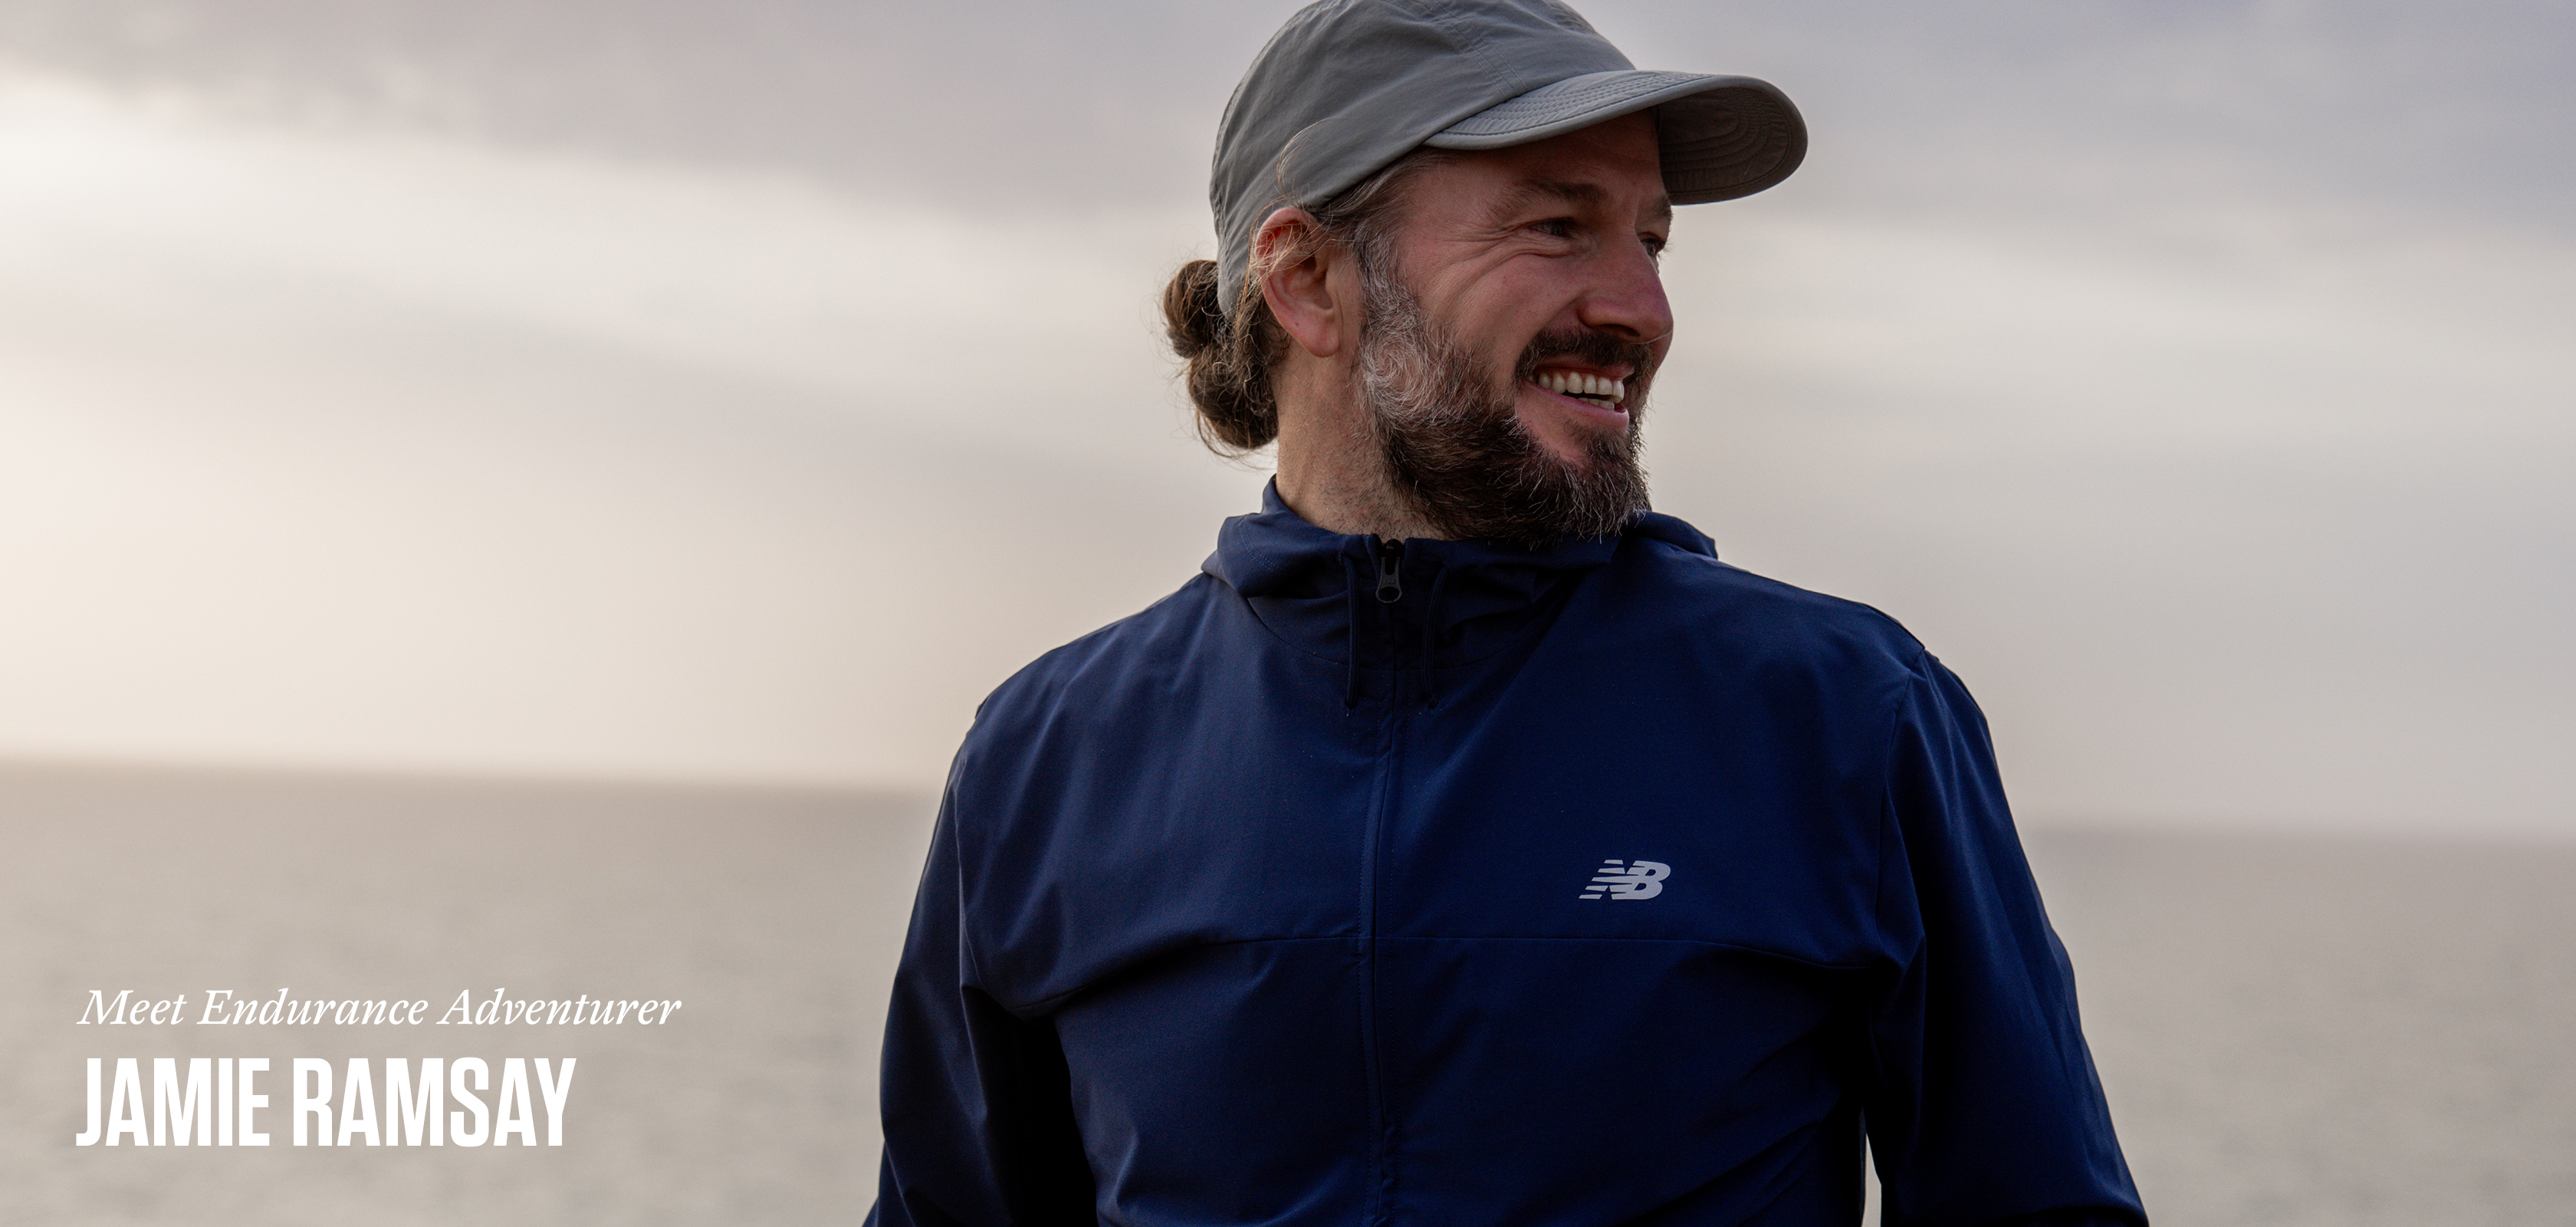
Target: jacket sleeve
{"points": [[976, 1102], [1984, 1107]]}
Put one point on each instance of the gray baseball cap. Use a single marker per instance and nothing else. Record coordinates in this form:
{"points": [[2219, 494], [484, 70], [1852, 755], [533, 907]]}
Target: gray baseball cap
{"points": [[1349, 86]]}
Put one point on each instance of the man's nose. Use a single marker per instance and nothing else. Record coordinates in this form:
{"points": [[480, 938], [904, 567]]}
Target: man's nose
{"points": [[1628, 297]]}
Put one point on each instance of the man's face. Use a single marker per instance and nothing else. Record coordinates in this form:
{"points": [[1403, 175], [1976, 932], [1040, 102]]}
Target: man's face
{"points": [[1506, 355]]}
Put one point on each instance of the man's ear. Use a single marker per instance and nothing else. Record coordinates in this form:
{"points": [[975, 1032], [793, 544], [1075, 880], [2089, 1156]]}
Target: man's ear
{"points": [[1295, 263]]}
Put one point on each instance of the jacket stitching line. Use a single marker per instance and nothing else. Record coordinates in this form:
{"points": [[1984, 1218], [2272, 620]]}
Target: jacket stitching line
{"points": [[1919, 676], [1678, 941], [1035, 1002]]}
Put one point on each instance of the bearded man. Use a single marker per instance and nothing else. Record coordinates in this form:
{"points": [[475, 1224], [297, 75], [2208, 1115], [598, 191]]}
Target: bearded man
{"points": [[1467, 844]]}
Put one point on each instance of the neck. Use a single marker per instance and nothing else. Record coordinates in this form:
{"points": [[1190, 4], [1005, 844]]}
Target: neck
{"points": [[1332, 471]]}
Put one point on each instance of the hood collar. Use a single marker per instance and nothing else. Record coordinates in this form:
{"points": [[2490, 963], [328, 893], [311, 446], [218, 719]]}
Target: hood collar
{"points": [[1297, 575]]}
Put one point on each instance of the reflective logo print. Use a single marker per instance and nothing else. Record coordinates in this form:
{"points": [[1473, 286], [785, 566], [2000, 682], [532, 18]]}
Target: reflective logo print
{"points": [[1639, 880]]}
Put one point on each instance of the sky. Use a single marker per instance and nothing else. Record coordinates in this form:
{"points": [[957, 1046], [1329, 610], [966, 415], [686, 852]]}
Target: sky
{"points": [[739, 392]]}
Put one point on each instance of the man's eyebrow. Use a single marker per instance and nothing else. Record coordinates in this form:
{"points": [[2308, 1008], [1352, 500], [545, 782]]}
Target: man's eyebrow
{"points": [[1579, 194]]}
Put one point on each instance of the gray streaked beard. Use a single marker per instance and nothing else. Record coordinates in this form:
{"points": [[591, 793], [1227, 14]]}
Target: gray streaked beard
{"points": [[1455, 448]]}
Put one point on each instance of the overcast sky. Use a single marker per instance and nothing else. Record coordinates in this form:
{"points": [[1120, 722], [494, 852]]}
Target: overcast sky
{"points": [[740, 391]]}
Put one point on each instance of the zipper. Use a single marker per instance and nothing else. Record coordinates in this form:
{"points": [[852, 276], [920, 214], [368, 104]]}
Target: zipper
{"points": [[1378, 1209], [1372, 1060]]}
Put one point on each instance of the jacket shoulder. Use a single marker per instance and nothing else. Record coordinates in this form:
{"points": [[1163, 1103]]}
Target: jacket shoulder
{"points": [[1113, 659], [1720, 605]]}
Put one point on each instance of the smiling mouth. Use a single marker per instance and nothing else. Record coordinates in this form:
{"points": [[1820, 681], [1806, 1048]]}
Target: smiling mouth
{"points": [[1601, 392]]}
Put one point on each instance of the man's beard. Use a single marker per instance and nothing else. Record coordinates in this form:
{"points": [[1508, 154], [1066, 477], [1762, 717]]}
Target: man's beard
{"points": [[1454, 445]]}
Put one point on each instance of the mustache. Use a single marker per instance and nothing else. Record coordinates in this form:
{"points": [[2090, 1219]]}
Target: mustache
{"points": [[1591, 347]]}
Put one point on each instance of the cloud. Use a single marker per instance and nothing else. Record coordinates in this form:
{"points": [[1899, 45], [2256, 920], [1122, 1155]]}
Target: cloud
{"points": [[401, 450], [2251, 539], [453, 386]]}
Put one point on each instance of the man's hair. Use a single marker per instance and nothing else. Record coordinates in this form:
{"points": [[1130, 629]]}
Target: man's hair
{"points": [[1229, 358]]}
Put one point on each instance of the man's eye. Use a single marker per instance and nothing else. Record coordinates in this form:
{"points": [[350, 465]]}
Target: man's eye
{"points": [[1556, 227]]}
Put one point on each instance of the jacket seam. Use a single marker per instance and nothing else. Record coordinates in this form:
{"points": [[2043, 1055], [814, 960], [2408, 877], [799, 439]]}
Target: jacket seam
{"points": [[1036, 1002], [1821, 965], [1677, 941], [1885, 809]]}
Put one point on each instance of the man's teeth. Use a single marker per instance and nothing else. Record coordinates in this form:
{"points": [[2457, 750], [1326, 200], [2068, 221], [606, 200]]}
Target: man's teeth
{"points": [[1573, 383]]}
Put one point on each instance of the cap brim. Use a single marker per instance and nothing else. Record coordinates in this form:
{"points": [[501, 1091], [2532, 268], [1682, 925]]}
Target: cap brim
{"points": [[1722, 137]]}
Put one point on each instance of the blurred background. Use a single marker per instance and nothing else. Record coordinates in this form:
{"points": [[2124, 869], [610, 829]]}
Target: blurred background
{"points": [[628, 439]]}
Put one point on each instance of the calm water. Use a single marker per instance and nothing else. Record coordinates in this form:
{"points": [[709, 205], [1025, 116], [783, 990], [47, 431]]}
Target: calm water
{"points": [[2293, 1031], [2304, 1031]]}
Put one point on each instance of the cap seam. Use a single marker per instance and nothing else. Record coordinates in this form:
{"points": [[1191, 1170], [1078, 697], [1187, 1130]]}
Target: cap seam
{"points": [[1478, 50], [1594, 94]]}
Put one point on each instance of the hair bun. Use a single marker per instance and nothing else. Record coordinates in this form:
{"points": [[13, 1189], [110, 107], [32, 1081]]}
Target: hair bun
{"points": [[1191, 315], [1228, 362]]}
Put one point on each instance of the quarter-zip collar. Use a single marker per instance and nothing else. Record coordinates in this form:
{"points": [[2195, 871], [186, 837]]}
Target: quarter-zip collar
{"points": [[1315, 589]]}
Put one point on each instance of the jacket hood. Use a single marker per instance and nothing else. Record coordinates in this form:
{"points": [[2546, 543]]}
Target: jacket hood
{"points": [[1306, 583]]}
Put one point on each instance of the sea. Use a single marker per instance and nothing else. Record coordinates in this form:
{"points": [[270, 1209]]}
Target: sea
{"points": [[2292, 1029]]}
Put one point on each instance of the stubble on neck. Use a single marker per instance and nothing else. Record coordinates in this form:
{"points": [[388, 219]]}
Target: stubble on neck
{"points": [[1333, 471]]}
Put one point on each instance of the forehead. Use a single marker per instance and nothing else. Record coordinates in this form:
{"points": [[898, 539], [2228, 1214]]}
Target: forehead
{"points": [[1614, 166]]}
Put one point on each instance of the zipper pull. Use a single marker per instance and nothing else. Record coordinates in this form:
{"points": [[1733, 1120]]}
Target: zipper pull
{"points": [[1390, 564]]}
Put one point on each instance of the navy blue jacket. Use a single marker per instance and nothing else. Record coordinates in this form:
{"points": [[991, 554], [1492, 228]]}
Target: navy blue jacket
{"points": [[1457, 885]]}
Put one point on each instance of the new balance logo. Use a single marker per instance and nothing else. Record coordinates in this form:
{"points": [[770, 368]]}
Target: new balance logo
{"points": [[1628, 880]]}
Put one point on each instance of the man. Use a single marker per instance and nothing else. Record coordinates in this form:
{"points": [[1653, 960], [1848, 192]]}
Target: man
{"points": [[1467, 845]]}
